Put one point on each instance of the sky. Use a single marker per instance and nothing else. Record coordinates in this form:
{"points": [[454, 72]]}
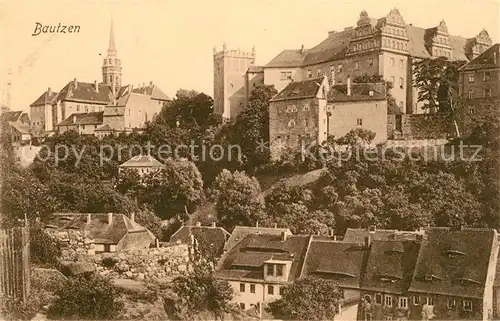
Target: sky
{"points": [[171, 42]]}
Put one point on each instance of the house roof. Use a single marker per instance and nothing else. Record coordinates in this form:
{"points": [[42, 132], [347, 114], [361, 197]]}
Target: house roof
{"points": [[455, 261], [255, 69], [85, 92], [245, 260], [339, 261], [153, 91], [98, 228], [240, 232], [22, 128], [215, 236], [359, 92], [104, 128], [300, 89], [390, 266], [336, 45], [12, 116], [45, 98], [93, 118], [486, 60], [358, 235], [142, 161]]}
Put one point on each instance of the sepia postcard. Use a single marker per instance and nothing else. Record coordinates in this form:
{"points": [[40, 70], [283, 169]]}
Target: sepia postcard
{"points": [[250, 160]]}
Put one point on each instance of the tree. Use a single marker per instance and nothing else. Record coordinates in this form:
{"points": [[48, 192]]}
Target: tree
{"points": [[252, 125], [238, 199], [86, 297], [357, 137], [201, 292], [189, 109], [307, 299], [176, 186], [43, 248], [437, 82]]}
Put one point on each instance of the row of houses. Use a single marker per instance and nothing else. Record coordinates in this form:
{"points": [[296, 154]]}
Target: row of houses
{"points": [[437, 273]]}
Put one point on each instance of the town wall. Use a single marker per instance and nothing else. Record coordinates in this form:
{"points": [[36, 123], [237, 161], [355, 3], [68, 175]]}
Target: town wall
{"points": [[420, 126]]}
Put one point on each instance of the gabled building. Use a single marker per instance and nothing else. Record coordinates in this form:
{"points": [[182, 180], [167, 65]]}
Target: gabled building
{"points": [[260, 265], [454, 275], [142, 164], [240, 232], [211, 238]]}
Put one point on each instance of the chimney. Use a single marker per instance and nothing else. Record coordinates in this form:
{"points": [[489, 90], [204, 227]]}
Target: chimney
{"points": [[132, 216], [96, 86], [75, 83], [348, 85], [283, 236], [214, 224], [368, 241], [151, 83], [198, 223], [257, 224], [110, 219], [302, 50], [49, 92]]}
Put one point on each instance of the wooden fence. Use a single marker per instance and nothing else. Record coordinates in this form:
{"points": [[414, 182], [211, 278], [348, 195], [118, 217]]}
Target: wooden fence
{"points": [[14, 263]]}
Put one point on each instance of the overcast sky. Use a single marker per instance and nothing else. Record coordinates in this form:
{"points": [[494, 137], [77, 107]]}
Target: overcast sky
{"points": [[170, 42]]}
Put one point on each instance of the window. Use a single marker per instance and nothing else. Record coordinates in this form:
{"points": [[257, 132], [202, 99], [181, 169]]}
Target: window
{"points": [[487, 92], [471, 78], [270, 268], [416, 300], [252, 288], [129, 112], [359, 122], [356, 65], [270, 290], [95, 126], [378, 298], [279, 270], [86, 109], [309, 74], [83, 126], [242, 306], [486, 76], [401, 63], [471, 110], [470, 94], [388, 301], [283, 75], [452, 303], [288, 75], [281, 290], [467, 305], [370, 61], [393, 62], [401, 82], [242, 287], [393, 80], [430, 300], [307, 108], [339, 69], [403, 302], [77, 107]]}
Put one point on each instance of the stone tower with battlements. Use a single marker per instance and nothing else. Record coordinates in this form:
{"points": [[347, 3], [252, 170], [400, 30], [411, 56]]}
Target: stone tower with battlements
{"points": [[112, 65], [230, 68]]}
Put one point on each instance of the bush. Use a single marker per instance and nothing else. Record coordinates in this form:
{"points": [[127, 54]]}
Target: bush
{"points": [[109, 262], [43, 248], [86, 297], [12, 309]]}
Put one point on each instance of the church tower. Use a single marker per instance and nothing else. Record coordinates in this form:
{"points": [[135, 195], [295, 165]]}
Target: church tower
{"points": [[112, 66]]}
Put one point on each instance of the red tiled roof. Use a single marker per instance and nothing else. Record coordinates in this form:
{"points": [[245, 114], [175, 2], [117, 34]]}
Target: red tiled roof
{"points": [[359, 92], [94, 118], [461, 274], [486, 60]]}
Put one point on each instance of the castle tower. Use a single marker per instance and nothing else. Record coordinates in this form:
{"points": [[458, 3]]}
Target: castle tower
{"points": [[112, 65], [230, 67]]}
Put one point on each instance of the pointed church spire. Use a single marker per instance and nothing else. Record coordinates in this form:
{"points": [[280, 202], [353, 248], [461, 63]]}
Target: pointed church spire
{"points": [[112, 46]]}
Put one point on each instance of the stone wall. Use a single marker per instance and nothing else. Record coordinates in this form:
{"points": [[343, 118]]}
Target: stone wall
{"points": [[420, 127], [153, 263], [75, 243]]}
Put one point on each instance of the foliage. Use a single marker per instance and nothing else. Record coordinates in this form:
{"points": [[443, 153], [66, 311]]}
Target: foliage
{"points": [[203, 292], [88, 297], [15, 309], [307, 299], [437, 82], [149, 220], [109, 262], [238, 200], [43, 248]]}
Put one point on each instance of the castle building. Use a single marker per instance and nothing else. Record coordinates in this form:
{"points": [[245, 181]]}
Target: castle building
{"points": [[386, 46], [234, 77], [106, 107]]}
